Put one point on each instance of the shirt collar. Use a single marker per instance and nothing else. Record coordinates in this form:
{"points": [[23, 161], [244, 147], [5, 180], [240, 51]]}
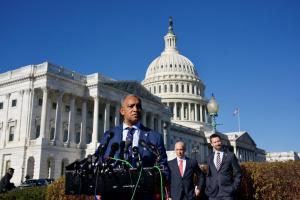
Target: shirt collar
{"points": [[136, 126], [178, 159]]}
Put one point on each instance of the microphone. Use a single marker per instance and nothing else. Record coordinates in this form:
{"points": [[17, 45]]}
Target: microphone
{"points": [[102, 147], [122, 149], [136, 156], [128, 143], [113, 149], [149, 147]]}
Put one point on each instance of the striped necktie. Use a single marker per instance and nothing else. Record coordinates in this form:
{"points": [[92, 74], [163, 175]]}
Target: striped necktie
{"points": [[218, 162]]}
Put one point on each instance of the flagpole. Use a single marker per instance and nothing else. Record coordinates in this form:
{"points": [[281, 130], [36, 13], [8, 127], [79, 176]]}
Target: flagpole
{"points": [[239, 123]]}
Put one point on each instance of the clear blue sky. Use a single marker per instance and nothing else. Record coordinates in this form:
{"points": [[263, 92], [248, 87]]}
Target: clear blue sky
{"points": [[246, 52]]}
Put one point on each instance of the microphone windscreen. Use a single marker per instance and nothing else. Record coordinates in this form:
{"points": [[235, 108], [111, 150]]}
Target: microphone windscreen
{"points": [[115, 147]]}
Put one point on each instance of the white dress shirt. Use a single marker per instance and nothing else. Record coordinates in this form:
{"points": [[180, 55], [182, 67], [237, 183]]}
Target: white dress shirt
{"points": [[136, 134]]}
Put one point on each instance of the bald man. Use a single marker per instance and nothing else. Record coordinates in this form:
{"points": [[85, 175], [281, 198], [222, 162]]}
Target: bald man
{"points": [[183, 169]]}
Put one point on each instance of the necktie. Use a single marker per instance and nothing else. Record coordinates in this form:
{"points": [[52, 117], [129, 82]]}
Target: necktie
{"points": [[129, 138], [181, 167], [218, 163]]}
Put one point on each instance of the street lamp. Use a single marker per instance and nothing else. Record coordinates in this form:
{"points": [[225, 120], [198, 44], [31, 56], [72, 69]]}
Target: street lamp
{"points": [[213, 108]]}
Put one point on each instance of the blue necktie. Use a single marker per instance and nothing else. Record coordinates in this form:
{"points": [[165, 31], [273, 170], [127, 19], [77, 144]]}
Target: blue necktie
{"points": [[130, 138]]}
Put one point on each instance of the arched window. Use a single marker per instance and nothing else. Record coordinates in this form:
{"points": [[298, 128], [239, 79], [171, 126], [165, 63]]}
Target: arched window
{"points": [[165, 89], [159, 89], [176, 88], [171, 88]]}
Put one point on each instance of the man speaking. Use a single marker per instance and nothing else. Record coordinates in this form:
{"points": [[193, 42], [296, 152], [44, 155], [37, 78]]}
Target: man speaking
{"points": [[139, 145]]}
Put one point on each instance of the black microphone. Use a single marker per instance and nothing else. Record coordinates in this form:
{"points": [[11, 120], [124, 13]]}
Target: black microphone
{"points": [[149, 147], [102, 147], [136, 156], [122, 149], [113, 149], [128, 143], [86, 163]]}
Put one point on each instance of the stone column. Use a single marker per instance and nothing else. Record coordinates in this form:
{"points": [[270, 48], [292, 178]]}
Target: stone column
{"points": [[82, 142], [71, 125], [95, 120], [20, 119], [205, 115], [106, 116], [182, 111], [189, 114], [44, 113], [175, 110], [196, 113], [24, 123], [159, 128], [117, 115], [152, 121], [201, 113], [57, 131], [144, 118], [165, 134]]}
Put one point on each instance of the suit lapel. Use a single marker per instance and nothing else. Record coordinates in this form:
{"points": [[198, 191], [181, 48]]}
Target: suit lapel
{"points": [[176, 167], [212, 161], [187, 164], [143, 136], [223, 159]]}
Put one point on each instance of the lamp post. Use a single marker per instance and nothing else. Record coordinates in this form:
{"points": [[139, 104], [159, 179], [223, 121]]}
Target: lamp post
{"points": [[213, 108]]}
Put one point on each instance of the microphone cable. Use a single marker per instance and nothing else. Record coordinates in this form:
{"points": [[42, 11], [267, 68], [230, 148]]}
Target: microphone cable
{"points": [[161, 182], [137, 183]]}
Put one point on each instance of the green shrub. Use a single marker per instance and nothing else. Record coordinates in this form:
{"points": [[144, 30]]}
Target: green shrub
{"points": [[36, 193]]}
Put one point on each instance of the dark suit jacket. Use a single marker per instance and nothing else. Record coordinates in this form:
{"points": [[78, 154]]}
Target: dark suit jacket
{"points": [[225, 181], [185, 185], [149, 136]]}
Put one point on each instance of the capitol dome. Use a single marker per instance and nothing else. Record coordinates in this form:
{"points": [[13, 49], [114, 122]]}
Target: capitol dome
{"points": [[174, 78]]}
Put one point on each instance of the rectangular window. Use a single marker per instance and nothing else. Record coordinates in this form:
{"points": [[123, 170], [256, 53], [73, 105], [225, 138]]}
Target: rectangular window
{"points": [[40, 102], [53, 105], [11, 133], [14, 103], [78, 111], [52, 130], [1, 105], [37, 131], [65, 139]]}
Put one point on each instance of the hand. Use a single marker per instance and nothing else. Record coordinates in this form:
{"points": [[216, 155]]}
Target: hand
{"points": [[169, 199], [197, 192]]}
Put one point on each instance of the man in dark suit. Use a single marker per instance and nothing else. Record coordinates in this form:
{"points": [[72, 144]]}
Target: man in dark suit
{"points": [[224, 172], [183, 170], [151, 150]]}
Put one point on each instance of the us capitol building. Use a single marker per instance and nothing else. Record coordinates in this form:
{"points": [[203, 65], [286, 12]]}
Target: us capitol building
{"points": [[50, 116]]}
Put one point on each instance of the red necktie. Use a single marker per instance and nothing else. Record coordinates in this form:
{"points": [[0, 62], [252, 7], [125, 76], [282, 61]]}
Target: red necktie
{"points": [[181, 167]]}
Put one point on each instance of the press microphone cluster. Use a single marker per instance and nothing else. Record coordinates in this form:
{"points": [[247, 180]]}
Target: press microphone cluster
{"points": [[152, 148]]}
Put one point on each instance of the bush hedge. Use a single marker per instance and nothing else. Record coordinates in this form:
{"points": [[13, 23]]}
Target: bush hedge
{"points": [[36, 193], [260, 181], [277, 180]]}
